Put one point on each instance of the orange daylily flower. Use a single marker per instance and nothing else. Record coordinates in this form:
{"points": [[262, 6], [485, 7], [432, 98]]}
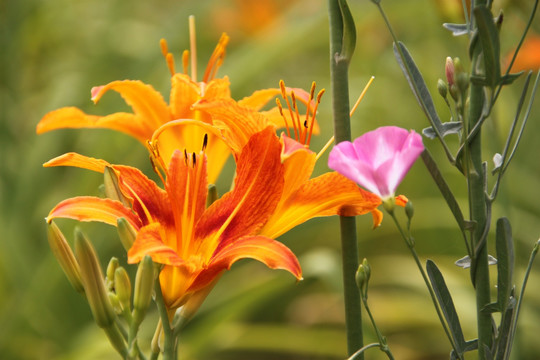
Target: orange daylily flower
{"points": [[164, 124], [303, 198], [195, 244]]}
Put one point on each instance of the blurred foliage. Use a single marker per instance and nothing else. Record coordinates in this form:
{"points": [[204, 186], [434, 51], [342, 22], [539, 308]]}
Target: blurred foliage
{"points": [[54, 51]]}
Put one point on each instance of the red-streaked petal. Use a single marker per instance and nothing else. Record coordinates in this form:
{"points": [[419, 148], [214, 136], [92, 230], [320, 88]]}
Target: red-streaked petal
{"points": [[257, 190], [325, 195], [149, 242], [270, 252], [73, 118], [89, 208], [145, 101]]}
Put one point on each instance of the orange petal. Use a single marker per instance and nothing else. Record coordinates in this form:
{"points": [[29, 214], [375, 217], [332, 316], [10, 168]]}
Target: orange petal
{"points": [[217, 89], [401, 200], [270, 252], [88, 208], [528, 57], [145, 101], [257, 190], [326, 195], [73, 118], [78, 160], [237, 123], [149, 242], [184, 93]]}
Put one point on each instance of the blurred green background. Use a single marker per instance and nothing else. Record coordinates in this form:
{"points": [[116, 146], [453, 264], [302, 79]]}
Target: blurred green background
{"points": [[53, 52]]}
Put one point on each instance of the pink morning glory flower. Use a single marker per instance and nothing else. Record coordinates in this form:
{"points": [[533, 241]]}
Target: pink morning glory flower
{"points": [[379, 159]]}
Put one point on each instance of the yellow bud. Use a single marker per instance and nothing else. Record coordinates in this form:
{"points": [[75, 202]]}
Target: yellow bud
{"points": [[92, 279], [63, 254], [122, 285], [126, 232]]}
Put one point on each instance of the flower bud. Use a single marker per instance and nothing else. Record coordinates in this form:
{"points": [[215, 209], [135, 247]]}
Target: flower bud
{"points": [[117, 307], [111, 268], [409, 210], [442, 88], [462, 81], [363, 274], [126, 232], [112, 186], [63, 254], [144, 287], [122, 286], [92, 279], [449, 71]]}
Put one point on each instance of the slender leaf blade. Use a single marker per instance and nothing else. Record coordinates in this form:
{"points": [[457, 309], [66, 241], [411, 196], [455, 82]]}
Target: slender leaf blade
{"points": [[418, 86], [457, 29], [447, 305], [489, 39], [444, 189]]}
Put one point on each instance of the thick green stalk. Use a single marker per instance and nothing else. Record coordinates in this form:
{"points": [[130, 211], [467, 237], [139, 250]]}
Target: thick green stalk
{"points": [[342, 132], [478, 206]]}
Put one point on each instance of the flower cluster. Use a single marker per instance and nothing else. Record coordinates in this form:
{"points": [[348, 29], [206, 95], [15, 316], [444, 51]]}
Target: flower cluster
{"points": [[177, 223]]}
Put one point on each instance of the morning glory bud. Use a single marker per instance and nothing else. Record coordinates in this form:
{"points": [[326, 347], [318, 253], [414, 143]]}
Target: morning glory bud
{"points": [[92, 279], [409, 210], [362, 276], [65, 257]]}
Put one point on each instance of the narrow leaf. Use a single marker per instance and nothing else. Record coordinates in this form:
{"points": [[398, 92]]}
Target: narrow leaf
{"points": [[489, 39], [447, 305], [451, 127], [418, 86], [457, 29], [349, 32], [505, 266], [504, 333], [444, 189]]}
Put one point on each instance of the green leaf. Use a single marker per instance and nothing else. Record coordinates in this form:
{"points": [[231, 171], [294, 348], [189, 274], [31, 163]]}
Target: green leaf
{"points": [[457, 29], [447, 305], [444, 189], [509, 79], [418, 86], [504, 245], [489, 40], [504, 333], [450, 127], [349, 32]]}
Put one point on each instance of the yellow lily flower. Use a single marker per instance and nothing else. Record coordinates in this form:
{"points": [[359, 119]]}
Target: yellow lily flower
{"points": [[181, 124]]}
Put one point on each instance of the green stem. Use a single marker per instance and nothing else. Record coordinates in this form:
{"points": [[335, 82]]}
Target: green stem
{"points": [[478, 206], [382, 340], [410, 244], [169, 346], [342, 132]]}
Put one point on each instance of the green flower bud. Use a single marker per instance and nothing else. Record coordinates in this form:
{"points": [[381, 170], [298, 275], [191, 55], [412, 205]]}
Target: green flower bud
{"points": [[122, 285], [409, 209], [115, 302], [111, 268], [92, 279], [454, 92], [449, 70], [363, 274], [126, 232], [63, 254], [112, 186], [442, 88], [462, 81], [144, 287]]}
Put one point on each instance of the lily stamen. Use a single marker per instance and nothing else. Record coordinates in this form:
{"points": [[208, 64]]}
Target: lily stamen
{"points": [[286, 98], [193, 47], [167, 55], [216, 59], [319, 96]]}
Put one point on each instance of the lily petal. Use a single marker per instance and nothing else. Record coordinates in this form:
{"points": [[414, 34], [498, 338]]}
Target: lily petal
{"points": [[89, 208], [325, 195], [145, 101], [73, 118], [270, 252], [149, 242], [257, 190]]}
